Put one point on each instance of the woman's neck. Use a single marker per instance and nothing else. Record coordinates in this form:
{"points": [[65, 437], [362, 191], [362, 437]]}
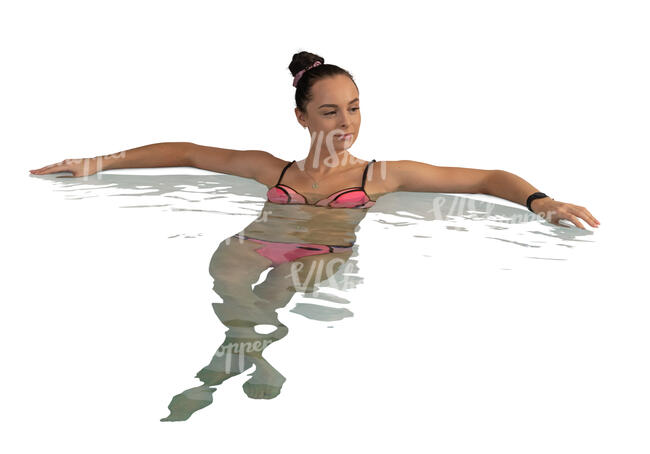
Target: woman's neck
{"points": [[325, 162]]}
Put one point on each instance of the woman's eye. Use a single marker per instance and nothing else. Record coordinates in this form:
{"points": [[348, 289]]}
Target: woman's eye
{"points": [[331, 113]]}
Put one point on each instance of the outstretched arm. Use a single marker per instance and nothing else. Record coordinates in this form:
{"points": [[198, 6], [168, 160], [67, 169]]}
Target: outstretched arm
{"points": [[407, 175], [165, 154], [514, 188], [259, 165], [256, 164]]}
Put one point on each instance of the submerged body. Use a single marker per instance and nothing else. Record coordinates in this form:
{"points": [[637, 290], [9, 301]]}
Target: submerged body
{"points": [[289, 232]]}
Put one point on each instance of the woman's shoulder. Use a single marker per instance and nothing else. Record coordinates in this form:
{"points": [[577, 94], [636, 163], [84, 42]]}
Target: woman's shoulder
{"points": [[381, 178], [268, 168]]}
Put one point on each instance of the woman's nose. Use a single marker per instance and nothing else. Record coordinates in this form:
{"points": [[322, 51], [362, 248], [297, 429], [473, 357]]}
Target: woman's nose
{"points": [[344, 121]]}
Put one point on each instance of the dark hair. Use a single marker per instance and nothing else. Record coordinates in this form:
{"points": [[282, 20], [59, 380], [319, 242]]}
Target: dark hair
{"points": [[303, 60]]}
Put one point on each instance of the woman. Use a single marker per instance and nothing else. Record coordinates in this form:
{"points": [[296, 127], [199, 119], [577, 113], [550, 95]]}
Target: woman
{"points": [[327, 103], [306, 245]]}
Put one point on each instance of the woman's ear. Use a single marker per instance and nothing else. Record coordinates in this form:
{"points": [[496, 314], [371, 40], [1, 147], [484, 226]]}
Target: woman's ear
{"points": [[300, 117]]}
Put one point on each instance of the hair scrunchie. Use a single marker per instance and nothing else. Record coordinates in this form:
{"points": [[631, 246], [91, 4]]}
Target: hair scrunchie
{"points": [[300, 73]]}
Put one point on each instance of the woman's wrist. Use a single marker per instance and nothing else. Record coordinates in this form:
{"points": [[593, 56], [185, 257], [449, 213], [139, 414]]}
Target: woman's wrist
{"points": [[109, 161], [537, 205]]}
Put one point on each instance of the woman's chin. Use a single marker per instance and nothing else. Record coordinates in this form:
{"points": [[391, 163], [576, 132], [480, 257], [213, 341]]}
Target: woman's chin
{"points": [[347, 144]]}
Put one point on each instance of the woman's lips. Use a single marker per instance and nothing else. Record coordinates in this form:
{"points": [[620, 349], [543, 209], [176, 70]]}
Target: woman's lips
{"points": [[344, 136]]}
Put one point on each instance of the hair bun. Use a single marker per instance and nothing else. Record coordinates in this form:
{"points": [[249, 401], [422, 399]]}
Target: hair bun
{"points": [[301, 69], [303, 60]]}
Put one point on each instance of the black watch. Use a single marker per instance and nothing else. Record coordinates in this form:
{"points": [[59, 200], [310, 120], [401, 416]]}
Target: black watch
{"points": [[535, 196]]}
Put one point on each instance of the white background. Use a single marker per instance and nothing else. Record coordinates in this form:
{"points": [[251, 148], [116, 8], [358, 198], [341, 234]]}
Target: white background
{"points": [[104, 318]]}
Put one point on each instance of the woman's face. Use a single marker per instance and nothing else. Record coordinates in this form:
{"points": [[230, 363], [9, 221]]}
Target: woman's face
{"points": [[332, 113]]}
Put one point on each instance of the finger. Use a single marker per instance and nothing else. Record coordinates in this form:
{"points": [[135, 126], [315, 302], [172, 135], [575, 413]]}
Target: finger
{"points": [[575, 220], [560, 225], [41, 169], [587, 216], [54, 169], [57, 165], [583, 213], [592, 217], [580, 212], [50, 165]]}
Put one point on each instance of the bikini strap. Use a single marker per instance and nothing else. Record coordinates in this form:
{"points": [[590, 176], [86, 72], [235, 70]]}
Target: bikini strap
{"points": [[284, 170], [363, 182]]}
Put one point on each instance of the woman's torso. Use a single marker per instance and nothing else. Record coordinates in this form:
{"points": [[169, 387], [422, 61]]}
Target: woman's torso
{"points": [[306, 224], [334, 222]]}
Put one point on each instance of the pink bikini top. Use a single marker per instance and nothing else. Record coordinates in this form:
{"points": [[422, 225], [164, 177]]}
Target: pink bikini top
{"points": [[354, 197]]}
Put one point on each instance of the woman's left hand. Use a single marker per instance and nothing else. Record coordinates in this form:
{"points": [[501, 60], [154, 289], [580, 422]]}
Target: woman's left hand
{"points": [[553, 211]]}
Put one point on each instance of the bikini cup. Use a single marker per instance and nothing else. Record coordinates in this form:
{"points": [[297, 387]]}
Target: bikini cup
{"points": [[345, 198], [354, 197]]}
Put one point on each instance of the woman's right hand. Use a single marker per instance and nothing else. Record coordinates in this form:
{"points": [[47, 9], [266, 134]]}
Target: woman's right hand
{"points": [[78, 167]]}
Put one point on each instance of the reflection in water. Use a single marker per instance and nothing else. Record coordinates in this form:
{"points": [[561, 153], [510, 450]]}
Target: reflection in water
{"points": [[303, 246]]}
